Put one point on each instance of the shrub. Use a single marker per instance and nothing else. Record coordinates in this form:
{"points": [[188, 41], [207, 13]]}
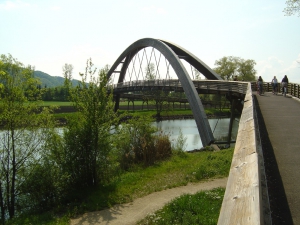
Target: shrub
{"points": [[163, 147], [136, 142]]}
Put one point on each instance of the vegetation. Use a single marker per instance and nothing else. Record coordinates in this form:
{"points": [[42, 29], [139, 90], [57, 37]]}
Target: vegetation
{"points": [[229, 66], [200, 208], [95, 162], [157, 96], [20, 144], [139, 181], [292, 7]]}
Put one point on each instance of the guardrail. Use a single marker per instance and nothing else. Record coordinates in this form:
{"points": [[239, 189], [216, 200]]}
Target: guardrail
{"points": [[202, 86], [293, 89], [242, 203]]}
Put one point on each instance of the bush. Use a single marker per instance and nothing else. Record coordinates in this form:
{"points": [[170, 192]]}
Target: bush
{"points": [[180, 144], [136, 142], [163, 147]]}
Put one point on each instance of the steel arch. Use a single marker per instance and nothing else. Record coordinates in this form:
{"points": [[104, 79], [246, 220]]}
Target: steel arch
{"points": [[170, 52]]}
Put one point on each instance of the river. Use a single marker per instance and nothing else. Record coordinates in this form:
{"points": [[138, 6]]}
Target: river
{"points": [[190, 132]]}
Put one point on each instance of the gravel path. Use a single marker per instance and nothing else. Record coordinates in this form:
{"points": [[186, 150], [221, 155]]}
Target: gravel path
{"points": [[130, 213]]}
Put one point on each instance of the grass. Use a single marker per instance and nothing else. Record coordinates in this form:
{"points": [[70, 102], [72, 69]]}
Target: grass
{"points": [[146, 112], [56, 103], [63, 117], [200, 208], [179, 170]]}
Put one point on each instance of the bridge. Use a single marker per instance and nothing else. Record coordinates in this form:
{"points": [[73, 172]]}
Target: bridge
{"points": [[127, 75], [264, 178]]}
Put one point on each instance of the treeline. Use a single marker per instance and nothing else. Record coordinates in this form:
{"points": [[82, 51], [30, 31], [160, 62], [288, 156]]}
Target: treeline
{"points": [[59, 93]]}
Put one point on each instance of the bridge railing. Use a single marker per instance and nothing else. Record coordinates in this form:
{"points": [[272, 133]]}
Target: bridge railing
{"points": [[242, 203], [293, 88], [205, 86]]}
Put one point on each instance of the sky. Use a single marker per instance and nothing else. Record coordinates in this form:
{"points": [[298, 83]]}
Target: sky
{"points": [[47, 34]]}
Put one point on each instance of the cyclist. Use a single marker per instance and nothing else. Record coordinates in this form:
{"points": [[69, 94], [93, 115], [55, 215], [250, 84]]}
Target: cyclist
{"points": [[284, 85], [260, 85], [274, 85]]}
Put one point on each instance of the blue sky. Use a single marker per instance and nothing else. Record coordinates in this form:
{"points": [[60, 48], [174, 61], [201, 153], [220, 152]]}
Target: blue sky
{"points": [[48, 34]]}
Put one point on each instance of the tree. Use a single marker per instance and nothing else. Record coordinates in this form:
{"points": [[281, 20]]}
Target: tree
{"points": [[292, 7], [21, 119], [246, 69], [196, 74], [229, 67], [87, 138], [158, 96], [68, 73], [226, 67], [150, 72]]}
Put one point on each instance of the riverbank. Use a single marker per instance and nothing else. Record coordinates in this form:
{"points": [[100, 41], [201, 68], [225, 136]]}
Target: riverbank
{"points": [[62, 120]]}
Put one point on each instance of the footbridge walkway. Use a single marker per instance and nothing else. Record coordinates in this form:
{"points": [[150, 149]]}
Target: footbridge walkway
{"points": [[264, 180]]}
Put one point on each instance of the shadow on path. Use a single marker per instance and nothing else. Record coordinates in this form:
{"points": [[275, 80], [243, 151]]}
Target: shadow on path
{"points": [[280, 211]]}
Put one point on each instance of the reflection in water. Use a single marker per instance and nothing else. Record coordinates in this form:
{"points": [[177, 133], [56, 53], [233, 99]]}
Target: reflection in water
{"points": [[190, 132]]}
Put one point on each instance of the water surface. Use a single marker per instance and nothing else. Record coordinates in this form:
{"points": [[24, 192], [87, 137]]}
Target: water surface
{"points": [[189, 130]]}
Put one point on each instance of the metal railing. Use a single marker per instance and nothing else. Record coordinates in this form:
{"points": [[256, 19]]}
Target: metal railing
{"points": [[202, 86]]}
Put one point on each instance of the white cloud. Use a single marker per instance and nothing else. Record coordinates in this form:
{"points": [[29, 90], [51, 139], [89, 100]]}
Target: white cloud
{"points": [[274, 66]]}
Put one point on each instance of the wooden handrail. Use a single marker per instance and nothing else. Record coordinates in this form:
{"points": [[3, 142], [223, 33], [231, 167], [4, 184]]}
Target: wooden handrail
{"points": [[293, 88], [242, 203]]}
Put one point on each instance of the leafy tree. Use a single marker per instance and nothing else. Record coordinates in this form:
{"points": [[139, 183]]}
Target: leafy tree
{"points": [[229, 67], [245, 70], [226, 67], [88, 137], [21, 119], [292, 7]]}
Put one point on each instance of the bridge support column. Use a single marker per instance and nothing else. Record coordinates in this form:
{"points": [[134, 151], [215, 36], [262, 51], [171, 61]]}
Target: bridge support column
{"points": [[117, 102], [233, 103]]}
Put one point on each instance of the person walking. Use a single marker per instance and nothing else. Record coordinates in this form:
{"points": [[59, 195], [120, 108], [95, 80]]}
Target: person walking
{"points": [[284, 85], [260, 85], [274, 85]]}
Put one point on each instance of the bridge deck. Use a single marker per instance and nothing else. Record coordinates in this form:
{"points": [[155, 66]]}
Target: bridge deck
{"points": [[279, 120]]}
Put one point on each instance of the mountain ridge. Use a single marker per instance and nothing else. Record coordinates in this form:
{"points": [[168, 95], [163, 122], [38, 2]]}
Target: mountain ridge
{"points": [[49, 81]]}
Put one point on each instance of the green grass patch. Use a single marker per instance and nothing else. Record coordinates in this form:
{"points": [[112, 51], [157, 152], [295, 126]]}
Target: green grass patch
{"points": [[137, 103], [146, 112], [56, 103], [201, 208], [178, 171]]}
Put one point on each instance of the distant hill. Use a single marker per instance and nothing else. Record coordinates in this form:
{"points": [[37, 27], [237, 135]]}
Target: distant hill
{"points": [[52, 81]]}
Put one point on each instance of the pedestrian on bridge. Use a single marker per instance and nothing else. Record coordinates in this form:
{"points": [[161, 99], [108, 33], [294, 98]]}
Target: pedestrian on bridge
{"points": [[274, 85], [260, 85], [284, 83]]}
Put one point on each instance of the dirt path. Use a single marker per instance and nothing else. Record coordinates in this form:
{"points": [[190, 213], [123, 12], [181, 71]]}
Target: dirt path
{"points": [[130, 213]]}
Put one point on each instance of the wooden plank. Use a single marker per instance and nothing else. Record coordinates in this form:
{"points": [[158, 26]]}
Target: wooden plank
{"points": [[242, 201]]}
